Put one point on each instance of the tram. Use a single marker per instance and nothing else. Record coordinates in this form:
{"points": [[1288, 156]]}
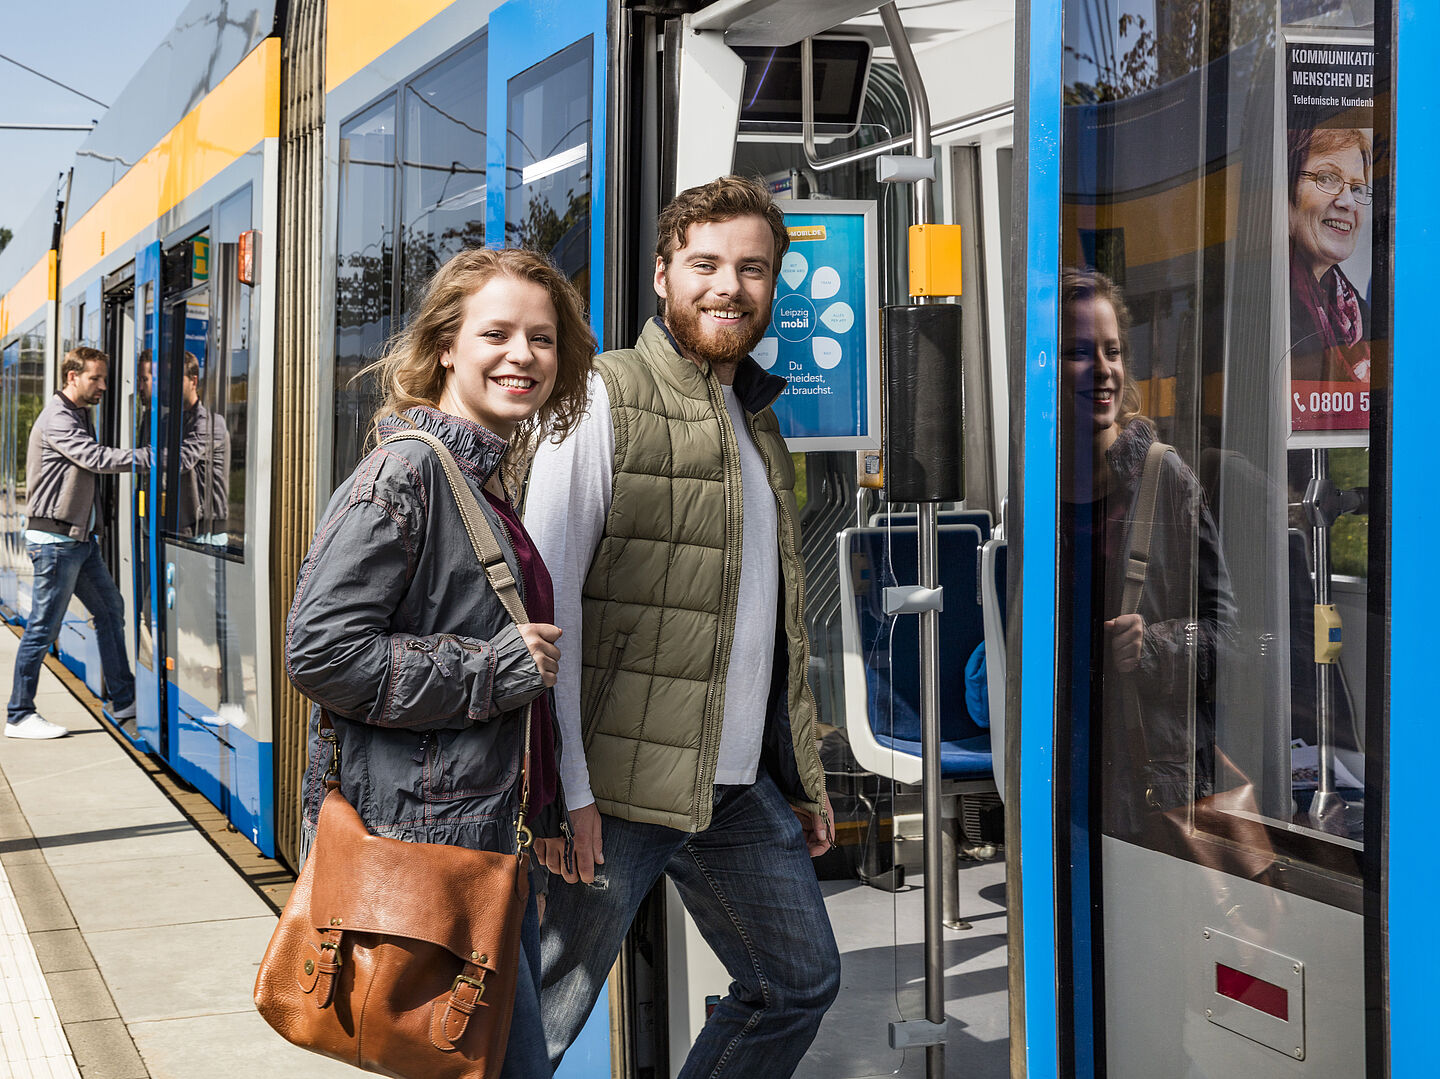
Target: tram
{"points": [[257, 212]]}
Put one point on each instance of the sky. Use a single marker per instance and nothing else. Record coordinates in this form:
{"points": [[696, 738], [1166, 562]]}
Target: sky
{"points": [[93, 45]]}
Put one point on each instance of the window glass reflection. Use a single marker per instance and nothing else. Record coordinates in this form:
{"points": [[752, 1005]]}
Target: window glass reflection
{"points": [[1219, 174], [548, 173], [364, 270], [444, 167]]}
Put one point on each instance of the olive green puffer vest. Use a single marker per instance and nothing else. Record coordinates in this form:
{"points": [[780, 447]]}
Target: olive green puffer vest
{"points": [[659, 601]]}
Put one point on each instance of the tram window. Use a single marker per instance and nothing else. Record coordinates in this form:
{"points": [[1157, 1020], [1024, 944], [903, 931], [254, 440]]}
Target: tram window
{"points": [[227, 386], [443, 181], [32, 395], [364, 273], [30, 398], [548, 173]]}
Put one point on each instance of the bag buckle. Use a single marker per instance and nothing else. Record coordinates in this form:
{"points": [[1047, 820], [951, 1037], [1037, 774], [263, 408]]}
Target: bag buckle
{"points": [[524, 838], [478, 983]]}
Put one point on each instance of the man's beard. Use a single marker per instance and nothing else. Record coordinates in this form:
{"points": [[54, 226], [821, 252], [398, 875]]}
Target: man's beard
{"points": [[728, 347]]}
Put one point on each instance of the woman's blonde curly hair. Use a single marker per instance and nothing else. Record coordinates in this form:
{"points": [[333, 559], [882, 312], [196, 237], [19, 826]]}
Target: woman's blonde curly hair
{"points": [[409, 374]]}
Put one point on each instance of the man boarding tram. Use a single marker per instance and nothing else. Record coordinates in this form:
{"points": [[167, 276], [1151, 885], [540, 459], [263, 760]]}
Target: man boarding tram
{"points": [[668, 519], [64, 459]]}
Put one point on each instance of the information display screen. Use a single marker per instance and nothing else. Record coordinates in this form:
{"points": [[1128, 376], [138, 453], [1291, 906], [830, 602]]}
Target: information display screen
{"points": [[824, 328]]}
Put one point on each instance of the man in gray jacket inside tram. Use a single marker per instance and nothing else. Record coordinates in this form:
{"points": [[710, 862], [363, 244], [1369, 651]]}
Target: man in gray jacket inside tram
{"points": [[64, 457]]}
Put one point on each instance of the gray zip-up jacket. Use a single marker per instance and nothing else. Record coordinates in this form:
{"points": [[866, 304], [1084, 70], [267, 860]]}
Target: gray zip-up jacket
{"points": [[397, 633], [63, 460]]}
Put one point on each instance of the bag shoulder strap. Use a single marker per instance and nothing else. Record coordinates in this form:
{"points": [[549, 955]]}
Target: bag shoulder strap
{"points": [[477, 525], [497, 572], [1142, 527]]}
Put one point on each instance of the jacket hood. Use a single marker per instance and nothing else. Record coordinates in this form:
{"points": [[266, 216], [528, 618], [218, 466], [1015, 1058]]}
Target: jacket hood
{"points": [[478, 451], [755, 388]]}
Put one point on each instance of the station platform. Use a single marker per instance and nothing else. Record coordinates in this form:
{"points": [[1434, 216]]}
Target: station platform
{"points": [[128, 942]]}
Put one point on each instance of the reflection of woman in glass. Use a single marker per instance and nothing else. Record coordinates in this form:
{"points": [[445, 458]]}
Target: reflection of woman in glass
{"points": [[1330, 193], [1170, 647]]}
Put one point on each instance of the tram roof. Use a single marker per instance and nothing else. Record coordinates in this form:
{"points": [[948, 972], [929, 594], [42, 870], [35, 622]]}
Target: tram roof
{"points": [[208, 40]]}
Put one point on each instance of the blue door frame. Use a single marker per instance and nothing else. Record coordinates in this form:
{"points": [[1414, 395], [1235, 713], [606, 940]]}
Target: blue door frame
{"points": [[1412, 873]]}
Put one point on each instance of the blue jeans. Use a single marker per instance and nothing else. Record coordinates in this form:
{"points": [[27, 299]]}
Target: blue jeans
{"points": [[748, 883], [525, 1051], [63, 570]]}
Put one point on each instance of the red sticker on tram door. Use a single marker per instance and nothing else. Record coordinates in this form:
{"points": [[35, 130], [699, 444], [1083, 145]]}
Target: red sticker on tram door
{"points": [[1254, 992]]}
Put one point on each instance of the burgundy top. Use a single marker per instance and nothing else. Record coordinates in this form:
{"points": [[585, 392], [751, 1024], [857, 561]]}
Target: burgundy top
{"points": [[540, 606]]}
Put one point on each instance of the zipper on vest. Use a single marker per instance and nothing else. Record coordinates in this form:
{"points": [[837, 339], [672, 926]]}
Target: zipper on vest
{"points": [[729, 599], [788, 528]]}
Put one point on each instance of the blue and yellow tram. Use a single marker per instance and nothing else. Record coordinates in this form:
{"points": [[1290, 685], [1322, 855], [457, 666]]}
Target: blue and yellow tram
{"points": [[253, 217]]}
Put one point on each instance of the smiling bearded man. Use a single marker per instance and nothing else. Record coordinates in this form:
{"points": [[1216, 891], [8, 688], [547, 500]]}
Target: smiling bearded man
{"points": [[668, 522]]}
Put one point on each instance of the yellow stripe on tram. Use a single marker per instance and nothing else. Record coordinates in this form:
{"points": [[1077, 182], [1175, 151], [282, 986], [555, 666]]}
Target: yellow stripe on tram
{"points": [[357, 31], [29, 295]]}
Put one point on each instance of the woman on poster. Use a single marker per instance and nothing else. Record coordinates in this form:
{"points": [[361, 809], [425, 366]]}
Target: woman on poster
{"points": [[1329, 172]]}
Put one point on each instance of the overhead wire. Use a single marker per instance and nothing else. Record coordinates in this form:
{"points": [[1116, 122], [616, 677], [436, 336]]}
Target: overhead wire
{"points": [[57, 82]]}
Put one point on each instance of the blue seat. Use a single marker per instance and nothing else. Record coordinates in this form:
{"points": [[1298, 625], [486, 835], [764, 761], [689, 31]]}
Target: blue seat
{"points": [[882, 654]]}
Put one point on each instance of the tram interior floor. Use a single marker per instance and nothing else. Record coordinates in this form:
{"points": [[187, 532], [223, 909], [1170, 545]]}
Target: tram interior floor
{"points": [[882, 953]]}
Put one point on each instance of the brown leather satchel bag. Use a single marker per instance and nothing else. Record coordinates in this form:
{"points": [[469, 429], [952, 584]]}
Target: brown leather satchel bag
{"points": [[400, 958]]}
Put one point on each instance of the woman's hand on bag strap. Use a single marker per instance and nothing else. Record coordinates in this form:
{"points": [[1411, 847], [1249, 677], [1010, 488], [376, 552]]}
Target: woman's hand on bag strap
{"points": [[1126, 634], [540, 638]]}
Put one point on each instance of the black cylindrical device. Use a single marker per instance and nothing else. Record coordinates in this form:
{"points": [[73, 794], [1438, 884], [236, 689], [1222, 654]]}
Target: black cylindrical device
{"points": [[925, 394]]}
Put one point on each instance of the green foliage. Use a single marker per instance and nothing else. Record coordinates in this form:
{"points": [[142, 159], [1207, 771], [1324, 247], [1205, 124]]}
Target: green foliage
{"points": [[1189, 34], [5, 237], [1350, 535]]}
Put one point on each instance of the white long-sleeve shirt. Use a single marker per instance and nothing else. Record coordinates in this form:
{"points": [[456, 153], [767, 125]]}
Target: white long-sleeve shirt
{"points": [[566, 506]]}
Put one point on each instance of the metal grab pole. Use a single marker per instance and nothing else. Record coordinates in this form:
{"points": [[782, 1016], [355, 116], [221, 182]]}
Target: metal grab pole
{"points": [[929, 536], [1327, 810]]}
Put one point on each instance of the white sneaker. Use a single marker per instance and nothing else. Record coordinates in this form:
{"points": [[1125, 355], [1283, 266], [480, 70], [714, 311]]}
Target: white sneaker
{"points": [[35, 726], [128, 712]]}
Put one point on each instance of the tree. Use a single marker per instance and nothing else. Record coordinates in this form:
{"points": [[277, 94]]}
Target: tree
{"points": [[1190, 34], [5, 237]]}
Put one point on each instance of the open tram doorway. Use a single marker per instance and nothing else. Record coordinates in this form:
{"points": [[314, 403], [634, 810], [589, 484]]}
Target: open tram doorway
{"points": [[854, 542]]}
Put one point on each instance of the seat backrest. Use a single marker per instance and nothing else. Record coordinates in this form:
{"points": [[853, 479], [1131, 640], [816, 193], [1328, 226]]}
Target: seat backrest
{"points": [[994, 563], [883, 651], [979, 518]]}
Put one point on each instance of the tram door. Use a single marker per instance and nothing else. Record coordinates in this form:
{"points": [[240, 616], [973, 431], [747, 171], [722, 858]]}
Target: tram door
{"points": [[151, 729], [1214, 834], [119, 342], [205, 587]]}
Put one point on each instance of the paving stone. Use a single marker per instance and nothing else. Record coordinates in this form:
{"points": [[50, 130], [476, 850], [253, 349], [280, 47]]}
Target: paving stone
{"points": [[153, 973], [81, 995], [234, 1046], [104, 1049], [42, 904], [62, 949]]}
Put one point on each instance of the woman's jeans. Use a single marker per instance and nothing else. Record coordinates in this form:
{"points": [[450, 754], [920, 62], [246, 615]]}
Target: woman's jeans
{"points": [[748, 883], [63, 570], [525, 1052]]}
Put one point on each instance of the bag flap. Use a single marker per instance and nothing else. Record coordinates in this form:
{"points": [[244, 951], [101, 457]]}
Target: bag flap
{"points": [[462, 900]]}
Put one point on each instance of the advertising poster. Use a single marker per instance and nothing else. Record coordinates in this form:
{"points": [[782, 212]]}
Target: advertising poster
{"points": [[824, 335], [1329, 153]]}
